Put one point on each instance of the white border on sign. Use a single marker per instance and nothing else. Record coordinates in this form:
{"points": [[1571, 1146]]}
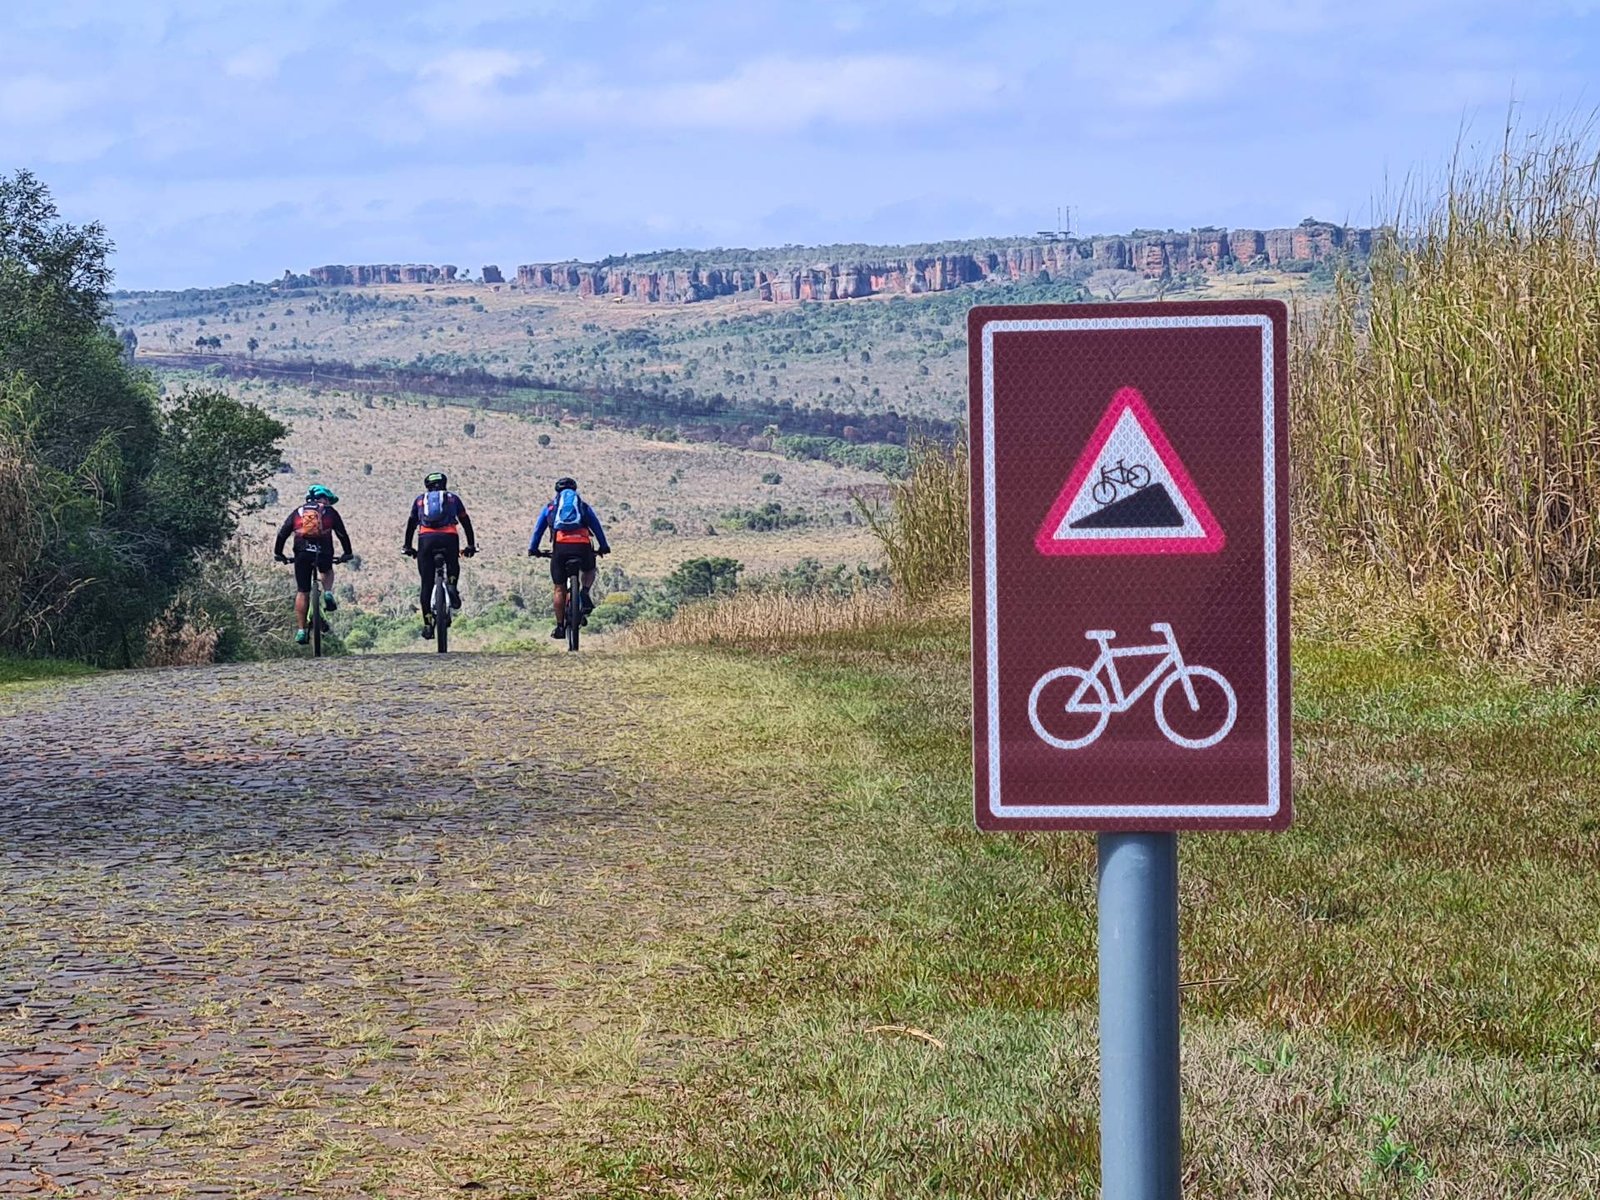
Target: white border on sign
{"points": [[1218, 812]]}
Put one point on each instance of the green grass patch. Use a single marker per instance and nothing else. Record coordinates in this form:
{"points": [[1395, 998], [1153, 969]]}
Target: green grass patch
{"points": [[909, 1010], [36, 670]]}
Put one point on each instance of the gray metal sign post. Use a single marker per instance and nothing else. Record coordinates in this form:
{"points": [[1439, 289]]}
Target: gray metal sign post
{"points": [[1140, 1146]]}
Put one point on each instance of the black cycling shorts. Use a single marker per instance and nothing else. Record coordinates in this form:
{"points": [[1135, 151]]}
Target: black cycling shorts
{"points": [[304, 557], [563, 556]]}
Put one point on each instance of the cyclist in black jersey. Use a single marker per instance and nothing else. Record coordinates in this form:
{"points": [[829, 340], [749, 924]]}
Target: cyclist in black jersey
{"points": [[437, 518], [314, 525]]}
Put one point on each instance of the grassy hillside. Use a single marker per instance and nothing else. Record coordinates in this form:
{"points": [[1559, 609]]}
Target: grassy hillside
{"points": [[889, 352], [657, 499]]}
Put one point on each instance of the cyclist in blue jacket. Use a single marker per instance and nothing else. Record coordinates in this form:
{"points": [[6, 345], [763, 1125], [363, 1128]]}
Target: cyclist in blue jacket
{"points": [[574, 534]]}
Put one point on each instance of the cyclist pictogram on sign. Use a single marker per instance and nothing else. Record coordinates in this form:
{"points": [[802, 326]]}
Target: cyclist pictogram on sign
{"points": [[1129, 493], [1201, 692]]}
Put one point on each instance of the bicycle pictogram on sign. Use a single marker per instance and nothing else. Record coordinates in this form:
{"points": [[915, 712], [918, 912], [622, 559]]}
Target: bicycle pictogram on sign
{"points": [[1113, 479], [1205, 691]]}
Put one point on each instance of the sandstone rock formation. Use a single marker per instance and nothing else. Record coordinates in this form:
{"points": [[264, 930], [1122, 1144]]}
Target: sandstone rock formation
{"points": [[362, 276], [1151, 253]]}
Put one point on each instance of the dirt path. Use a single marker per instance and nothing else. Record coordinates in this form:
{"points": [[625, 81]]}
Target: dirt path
{"points": [[275, 929]]}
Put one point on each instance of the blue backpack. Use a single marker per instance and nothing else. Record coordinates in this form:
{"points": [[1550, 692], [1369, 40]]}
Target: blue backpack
{"points": [[437, 511], [569, 512]]}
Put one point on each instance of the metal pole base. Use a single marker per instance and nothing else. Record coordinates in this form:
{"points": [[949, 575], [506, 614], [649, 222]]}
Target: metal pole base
{"points": [[1140, 1132]]}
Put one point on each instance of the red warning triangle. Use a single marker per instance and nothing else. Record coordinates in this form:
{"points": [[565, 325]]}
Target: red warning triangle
{"points": [[1129, 493]]}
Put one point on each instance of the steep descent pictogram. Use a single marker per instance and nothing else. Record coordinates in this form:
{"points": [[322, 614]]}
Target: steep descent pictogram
{"points": [[1129, 493]]}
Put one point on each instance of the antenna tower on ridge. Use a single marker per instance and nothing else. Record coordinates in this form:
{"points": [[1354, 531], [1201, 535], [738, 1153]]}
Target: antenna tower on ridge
{"points": [[1063, 230]]}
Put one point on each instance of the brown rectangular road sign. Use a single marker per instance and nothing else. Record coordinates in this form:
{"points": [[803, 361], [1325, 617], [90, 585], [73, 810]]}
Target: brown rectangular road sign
{"points": [[1130, 566]]}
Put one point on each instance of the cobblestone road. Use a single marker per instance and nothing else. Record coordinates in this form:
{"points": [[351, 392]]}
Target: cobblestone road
{"points": [[250, 915]]}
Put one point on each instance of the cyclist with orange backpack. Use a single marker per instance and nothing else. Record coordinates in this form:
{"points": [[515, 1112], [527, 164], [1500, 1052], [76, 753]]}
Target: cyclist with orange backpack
{"points": [[313, 525], [435, 516], [574, 530]]}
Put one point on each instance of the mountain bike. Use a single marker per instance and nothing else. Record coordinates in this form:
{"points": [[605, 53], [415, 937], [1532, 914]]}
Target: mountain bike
{"points": [[571, 616], [439, 601], [315, 621], [1214, 705], [1113, 479]]}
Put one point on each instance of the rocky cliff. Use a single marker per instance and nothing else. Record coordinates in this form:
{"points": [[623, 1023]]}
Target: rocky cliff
{"points": [[361, 276], [1153, 255]]}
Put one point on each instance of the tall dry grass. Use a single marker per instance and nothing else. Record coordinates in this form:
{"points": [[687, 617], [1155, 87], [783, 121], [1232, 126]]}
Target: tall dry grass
{"points": [[765, 618], [925, 535], [1445, 415]]}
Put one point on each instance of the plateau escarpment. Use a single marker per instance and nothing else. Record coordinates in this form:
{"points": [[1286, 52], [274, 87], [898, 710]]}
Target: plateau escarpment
{"points": [[1152, 255]]}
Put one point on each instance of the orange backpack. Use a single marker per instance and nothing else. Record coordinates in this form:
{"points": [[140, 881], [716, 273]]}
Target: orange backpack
{"points": [[311, 522]]}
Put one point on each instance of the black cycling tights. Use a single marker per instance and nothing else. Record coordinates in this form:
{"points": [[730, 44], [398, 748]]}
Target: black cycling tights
{"points": [[437, 545]]}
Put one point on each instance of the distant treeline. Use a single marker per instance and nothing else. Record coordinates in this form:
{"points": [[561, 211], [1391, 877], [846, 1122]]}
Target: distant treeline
{"points": [[691, 415]]}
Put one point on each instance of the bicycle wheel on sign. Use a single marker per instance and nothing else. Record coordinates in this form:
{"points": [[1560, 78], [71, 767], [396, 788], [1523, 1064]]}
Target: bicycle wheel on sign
{"points": [[1068, 708], [1103, 492], [1201, 719], [1138, 476]]}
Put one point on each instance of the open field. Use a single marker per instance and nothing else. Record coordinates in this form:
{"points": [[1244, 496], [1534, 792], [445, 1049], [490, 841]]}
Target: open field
{"points": [[869, 355], [639, 487], [744, 941]]}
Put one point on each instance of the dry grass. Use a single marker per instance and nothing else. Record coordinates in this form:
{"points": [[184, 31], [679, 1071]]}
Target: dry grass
{"points": [[764, 618], [1445, 418], [23, 523], [925, 536]]}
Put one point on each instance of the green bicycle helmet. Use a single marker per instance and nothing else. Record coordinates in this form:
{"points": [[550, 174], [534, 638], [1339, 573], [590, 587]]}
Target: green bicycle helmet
{"points": [[317, 492], [434, 481]]}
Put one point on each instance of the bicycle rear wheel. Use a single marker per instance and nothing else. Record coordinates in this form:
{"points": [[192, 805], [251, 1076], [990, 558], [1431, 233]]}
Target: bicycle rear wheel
{"points": [[315, 614], [441, 616], [574, 612]]}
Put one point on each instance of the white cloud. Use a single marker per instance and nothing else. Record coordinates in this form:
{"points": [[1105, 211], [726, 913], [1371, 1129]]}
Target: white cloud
{"points": [[462, 85], [765, 95], [476, 69], [255, 63], [31, 100]]}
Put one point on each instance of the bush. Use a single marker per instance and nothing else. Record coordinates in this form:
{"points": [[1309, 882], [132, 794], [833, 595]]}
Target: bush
{"points": [[770, 516]]}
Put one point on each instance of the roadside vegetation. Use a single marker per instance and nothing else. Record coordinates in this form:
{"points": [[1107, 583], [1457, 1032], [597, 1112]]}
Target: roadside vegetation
{"points": [[111, 498], [1445, 406]]}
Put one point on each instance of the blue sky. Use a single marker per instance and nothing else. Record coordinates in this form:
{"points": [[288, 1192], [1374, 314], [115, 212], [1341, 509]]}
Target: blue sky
{"points": [[223, 140]]}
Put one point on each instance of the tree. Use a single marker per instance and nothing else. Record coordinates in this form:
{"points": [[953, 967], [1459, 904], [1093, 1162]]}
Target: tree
{"points": [[698, 578], [122, 499], [1111, 283], [252, 345]]}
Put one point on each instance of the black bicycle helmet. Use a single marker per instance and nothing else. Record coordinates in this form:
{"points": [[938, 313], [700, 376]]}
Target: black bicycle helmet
{"points": [[565, 482], [434, 481]]}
